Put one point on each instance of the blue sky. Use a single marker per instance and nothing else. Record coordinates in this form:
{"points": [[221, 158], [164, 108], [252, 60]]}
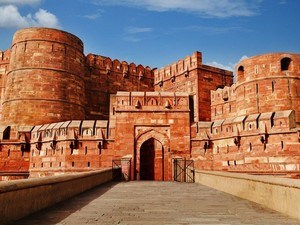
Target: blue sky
{"points": [[156, 33]]}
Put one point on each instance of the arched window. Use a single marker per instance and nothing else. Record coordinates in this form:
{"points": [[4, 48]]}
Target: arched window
{"points": [[6, 133], [285, 63], [241, 72]]}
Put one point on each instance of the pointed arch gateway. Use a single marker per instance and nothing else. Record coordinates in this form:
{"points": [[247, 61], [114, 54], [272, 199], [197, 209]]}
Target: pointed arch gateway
{"points": [[152, 155]]}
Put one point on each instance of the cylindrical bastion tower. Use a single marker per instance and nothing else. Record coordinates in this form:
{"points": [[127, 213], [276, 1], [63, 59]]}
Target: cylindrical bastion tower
{"points": [[45, 82], [268, 83]]}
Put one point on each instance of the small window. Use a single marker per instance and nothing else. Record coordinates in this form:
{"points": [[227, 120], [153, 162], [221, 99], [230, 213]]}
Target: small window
{"points": [[6, 133], [241, 72], [89, 164], [8, 153], [73, 164], [273, 86], [256, 69], [285, 63], [86, 150]]}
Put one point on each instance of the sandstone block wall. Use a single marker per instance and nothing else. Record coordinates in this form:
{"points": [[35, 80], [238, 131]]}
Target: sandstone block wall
{"points": [[4, 64], [70, 146], [189, 75], [105, 76], [163, 116], [24, 197], [45, 78], [268, 82], [258, 143], [282, 195]]}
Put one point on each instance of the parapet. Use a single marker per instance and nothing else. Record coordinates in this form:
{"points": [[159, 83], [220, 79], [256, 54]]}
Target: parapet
{"points": [[5, 56], [38, 34], [181, 67], [222, 95], [115, 66], [152, 101], [70, 130]]}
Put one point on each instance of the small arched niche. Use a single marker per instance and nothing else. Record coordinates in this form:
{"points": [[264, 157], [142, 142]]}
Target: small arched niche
{"points": [[241, 72], [285, 64]]}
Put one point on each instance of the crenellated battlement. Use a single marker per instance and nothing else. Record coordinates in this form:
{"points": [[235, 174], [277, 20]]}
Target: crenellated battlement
{"points": [[124, 68], [223, 102], [222, 95], [254, 124], [5, 56], [181, 67], [93, 109], [70, 131], [153, 101]]}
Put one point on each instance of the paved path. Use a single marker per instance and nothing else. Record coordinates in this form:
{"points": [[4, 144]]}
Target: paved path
{"points": [[156, 203]]}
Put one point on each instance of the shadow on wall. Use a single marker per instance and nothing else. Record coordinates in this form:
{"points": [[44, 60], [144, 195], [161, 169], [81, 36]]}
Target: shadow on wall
{"points": [[58, 212]]}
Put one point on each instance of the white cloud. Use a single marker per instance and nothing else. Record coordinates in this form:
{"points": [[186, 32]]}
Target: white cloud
{"points": [[283, 2], [243, 57], [221, 66], [45, 18], [135, 34], [19, 2], [136, 30], [131, 39], [204, 8], [92, 16], [11, 17]]}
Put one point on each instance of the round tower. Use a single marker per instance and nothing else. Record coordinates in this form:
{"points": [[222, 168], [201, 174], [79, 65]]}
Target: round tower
{"points": [[45, 81], [268, 83]]}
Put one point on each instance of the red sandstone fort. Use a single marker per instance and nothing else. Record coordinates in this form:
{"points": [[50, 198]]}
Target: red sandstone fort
{"points": [[64, 112]]}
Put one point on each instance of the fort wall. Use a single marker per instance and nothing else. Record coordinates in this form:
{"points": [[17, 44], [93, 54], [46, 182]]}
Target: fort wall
{"points": [[105, 76], [45, 78], [70, 146], [64, 112], [4, 64], [268, 82], [168, 126], [189, 75]]}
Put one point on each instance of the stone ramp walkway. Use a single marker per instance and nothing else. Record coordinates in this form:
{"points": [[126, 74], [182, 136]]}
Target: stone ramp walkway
{"points": [[147, 202]]}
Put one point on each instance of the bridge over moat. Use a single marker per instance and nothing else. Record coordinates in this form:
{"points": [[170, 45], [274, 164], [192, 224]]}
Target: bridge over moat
{"points": [[152, 202]]}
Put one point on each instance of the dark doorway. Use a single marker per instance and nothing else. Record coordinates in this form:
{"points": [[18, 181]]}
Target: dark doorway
{"points": [[147, 160]]}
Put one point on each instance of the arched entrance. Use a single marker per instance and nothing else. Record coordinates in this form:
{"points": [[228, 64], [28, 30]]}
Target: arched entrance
{"points": [[151, 160]]}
